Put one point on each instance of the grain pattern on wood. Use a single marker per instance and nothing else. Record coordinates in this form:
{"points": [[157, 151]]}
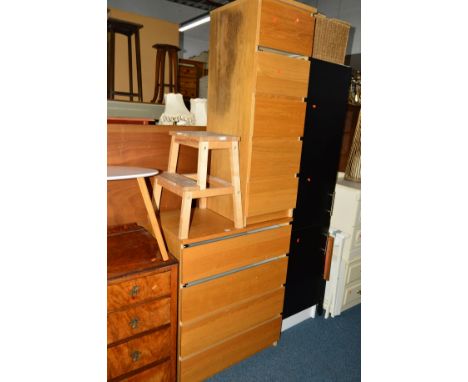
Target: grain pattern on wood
{"points": [[138, 290], [275, 157], [209, 362], [285, 27], [281, 75], [220, 256], [233, 35], [201, 334], [205, 225], [255, 219], [272, 194], [135, 320], [130, 249], [205, 298], [159, 373], [235, 180], [278, 118], [138, 352], [131, 261]]}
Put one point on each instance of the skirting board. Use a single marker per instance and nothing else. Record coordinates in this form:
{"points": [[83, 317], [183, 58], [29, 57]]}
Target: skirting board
{"points": [[298, 318]]}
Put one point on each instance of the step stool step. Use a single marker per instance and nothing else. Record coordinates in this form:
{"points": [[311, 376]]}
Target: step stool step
{"points": [[204, 136], [179, 184]]}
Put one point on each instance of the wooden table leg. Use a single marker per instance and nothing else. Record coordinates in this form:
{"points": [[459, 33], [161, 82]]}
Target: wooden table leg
{"points": [[152, 217]]}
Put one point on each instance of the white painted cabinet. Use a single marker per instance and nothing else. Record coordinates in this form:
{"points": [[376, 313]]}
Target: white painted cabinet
{"points": [[343, 290]]}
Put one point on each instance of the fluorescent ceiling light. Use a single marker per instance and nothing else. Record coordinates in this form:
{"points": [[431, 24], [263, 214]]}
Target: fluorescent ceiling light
{"points": [[194, 23]]}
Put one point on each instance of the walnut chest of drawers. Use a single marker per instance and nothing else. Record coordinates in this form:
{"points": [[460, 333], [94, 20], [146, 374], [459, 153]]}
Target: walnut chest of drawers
{"points": [[141, 308]]}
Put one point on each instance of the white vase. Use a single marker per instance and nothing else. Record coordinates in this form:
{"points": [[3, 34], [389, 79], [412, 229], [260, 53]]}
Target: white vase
{"points": [[198, 107]]}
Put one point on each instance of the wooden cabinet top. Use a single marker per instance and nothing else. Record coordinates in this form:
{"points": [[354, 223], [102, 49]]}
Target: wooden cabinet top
{"points": [[131, 249]]}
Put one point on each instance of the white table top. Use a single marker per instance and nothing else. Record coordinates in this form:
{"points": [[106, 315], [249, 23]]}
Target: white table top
{"points": [[126, 172]]}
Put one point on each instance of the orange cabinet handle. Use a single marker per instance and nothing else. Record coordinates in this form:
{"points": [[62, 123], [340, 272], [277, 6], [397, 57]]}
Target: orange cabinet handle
{"points": [[328, 257]]}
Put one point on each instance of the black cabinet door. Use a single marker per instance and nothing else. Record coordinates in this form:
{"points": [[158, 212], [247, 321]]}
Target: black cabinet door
{"points": [[314, 203], [324, 123], [304, 281], [325, 115]]}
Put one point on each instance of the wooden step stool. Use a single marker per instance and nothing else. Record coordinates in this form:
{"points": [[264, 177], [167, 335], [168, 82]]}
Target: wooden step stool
{"points": [[194, 186]]}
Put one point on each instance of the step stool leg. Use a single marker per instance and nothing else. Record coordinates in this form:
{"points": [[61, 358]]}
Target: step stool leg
{"points": [[152, 218], [185, 210], [235, 180], [202, 170], [173, 156]]}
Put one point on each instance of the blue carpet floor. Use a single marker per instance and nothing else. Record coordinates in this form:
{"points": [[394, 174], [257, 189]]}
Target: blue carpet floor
{"points": [[316, 350]]}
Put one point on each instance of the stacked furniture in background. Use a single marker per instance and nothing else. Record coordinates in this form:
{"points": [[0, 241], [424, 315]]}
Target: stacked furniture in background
{"points": [[190, 71], [343, 290]]}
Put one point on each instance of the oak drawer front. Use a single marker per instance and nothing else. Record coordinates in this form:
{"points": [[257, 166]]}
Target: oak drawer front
{"points": [[281, 75], [139, 289], [139, 352], [201, 334], [219, 357], [208, 297], [159, 373], [274, 157], [285, 27], [272, 195], [213, 258], [131, 321], [278, 118]]}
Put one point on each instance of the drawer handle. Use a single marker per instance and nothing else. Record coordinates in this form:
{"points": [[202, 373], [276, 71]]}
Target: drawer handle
{"points": [[134, 291], [135, 355], [134, 323], [359, 292]]}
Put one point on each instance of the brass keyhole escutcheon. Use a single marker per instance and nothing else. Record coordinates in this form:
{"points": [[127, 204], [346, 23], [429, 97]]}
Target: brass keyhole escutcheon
{"points": [[134, 291], [134, 323], [136, 355]]}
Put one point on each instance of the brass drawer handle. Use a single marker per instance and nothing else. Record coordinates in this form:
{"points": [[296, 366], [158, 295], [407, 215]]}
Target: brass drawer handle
{"points": [[134, 323], [134, 291], [135, 355]]}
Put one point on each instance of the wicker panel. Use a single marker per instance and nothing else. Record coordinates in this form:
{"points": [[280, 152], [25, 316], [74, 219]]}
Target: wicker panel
{"points": [[330, 39]]}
